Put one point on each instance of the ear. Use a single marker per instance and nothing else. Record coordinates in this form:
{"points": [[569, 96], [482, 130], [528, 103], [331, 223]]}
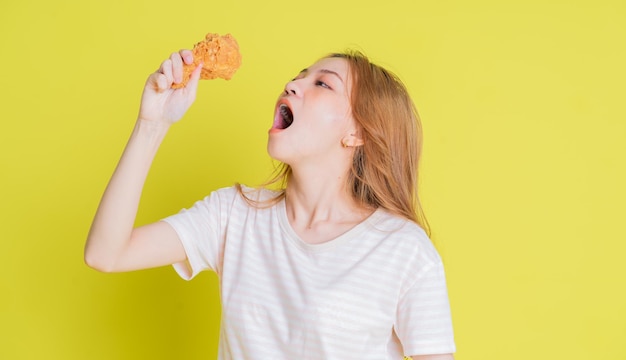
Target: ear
{"points": [[353, 139]]}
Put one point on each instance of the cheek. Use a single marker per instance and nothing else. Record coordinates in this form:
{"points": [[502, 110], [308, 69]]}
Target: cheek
{"points": [[337, 117]]}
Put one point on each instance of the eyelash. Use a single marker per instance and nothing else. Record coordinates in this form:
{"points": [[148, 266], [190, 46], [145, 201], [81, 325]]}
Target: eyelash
{"points": [[317, 83], [322, 84]]}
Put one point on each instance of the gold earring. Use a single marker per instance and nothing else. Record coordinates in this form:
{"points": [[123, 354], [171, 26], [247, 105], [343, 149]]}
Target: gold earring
{"points": [[343, 143]]}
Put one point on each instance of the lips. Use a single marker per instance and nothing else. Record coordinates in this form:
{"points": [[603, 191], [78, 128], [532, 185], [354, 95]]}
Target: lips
{"points": [[283, 118]]}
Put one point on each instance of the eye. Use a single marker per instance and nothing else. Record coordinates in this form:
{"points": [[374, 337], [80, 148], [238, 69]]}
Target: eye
{"points": [[322, 84]]}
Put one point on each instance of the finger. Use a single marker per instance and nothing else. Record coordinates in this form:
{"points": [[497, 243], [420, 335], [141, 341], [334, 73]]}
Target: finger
{"points": [[158, 82], [177, 67], [163, 83], [187, 56], [166, 69]]}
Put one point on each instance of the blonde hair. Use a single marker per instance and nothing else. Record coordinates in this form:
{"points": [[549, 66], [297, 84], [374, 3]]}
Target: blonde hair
{"points": [[384, 171]]}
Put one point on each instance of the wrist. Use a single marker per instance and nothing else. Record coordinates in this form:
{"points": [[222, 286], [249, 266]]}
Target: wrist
{"points": [[145, 125], [150, 130]]}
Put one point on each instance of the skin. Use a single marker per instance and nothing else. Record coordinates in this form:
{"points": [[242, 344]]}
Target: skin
{"points": [[319, 205], [113, 245], [318, 146]]}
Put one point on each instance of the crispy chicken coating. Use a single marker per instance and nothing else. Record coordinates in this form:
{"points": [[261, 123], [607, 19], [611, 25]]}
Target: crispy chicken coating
{"points": [[220, 57]]}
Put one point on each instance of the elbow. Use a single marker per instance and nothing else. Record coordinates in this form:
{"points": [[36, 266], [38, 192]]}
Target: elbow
{"points": [[97, 265], [97, 262]]}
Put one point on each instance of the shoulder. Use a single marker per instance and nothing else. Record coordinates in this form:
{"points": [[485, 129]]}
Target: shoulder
{"points": [[254, 194], [408, 251], [242, 193], [405, 234], [221, 206]]}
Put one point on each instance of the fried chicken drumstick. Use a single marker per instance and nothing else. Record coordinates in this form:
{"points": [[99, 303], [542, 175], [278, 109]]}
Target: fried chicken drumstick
{"points": [[220, 57]]}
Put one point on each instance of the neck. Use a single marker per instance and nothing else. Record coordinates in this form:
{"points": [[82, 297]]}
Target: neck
{"points": [[315, 198]]}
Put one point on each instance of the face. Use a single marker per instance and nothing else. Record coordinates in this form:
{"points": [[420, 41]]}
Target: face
{"points": [[313, 115]]}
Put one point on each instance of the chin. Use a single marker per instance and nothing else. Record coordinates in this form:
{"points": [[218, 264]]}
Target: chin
{"points": [[275, 152]]}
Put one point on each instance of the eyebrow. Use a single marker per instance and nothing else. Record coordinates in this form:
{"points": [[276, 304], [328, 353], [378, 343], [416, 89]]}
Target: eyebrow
{"points": [[325, 71]]}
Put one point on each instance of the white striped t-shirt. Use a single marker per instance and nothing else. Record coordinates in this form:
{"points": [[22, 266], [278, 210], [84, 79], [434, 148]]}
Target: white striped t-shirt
{"points": [[376, 292]]}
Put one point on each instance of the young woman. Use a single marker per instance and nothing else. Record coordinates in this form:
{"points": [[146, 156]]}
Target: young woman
{"points": [[335, 266]]}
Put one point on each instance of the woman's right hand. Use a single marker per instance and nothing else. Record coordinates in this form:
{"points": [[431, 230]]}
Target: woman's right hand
{"points": [[159, 102]]}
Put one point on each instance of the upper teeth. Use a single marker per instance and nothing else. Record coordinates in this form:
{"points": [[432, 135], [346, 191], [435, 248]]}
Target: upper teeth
{"points": [[284, 110], [285, 113]]}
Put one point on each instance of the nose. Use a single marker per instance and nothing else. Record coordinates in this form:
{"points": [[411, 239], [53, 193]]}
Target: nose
{"points": [[291, 88]]}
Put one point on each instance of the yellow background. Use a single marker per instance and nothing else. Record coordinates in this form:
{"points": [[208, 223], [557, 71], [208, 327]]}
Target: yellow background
{"points": [[523, 106]]}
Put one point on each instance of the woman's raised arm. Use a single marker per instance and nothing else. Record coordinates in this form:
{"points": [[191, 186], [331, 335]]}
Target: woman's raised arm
{"points": [[113, 244]]}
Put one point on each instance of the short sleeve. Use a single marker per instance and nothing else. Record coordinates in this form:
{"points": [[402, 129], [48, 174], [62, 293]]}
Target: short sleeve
{"points": [[424, 323], [200, 231]]}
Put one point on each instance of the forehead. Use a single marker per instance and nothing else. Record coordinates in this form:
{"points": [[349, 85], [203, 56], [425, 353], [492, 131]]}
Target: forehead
{"points": [[337, 65]]}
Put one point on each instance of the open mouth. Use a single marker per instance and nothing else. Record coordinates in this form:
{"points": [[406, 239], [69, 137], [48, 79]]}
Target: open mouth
{"points": [[283, 118]]}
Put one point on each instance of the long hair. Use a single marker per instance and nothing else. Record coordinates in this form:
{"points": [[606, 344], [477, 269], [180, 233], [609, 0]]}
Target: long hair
{"points": [[384, 171]]}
